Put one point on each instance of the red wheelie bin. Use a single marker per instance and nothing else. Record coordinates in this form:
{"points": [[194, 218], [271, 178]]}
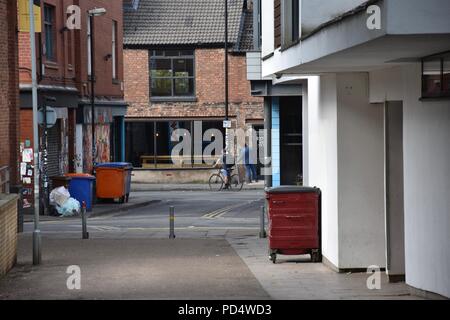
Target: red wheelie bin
{"points": [[294, 221]]}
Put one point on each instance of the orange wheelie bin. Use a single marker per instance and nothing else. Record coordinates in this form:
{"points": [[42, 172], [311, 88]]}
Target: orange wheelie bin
{"points": [[113, 180], [294, 221]]}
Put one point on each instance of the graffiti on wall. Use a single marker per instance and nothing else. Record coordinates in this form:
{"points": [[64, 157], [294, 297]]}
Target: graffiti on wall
{"points": [[102, 145]]}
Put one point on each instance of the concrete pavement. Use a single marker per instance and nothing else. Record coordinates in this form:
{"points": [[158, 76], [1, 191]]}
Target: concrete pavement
{"points": [[196, 265], [296, 278], [216, 247], [132, 269]]}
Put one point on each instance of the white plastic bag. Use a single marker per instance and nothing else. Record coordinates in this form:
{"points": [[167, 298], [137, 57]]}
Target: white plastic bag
{"points": [[59, 196], [70, 208]]}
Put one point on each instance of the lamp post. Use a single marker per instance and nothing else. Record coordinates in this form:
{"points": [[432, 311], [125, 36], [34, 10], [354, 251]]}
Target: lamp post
{"points": [[226, 59], [227, 138], [96, 12], [36, 231]]}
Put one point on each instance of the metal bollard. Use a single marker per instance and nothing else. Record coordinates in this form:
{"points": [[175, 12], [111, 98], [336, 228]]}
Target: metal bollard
{"points": [[83, 221], [262, 228], [171, 223]]}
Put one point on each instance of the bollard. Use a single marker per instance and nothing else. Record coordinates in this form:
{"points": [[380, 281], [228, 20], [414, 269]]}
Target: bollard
{"points": [[262, 228], [83, 221], [171, 223]]}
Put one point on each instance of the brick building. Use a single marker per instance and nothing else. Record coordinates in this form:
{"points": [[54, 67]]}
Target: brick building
{"points": [[9, 134], [64, 68], [9, 112], [174, 73]]}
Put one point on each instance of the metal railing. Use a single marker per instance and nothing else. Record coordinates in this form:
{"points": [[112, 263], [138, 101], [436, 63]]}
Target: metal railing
{"points": [[4, 180]]}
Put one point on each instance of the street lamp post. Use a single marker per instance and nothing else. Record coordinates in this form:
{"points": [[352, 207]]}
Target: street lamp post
{"points": [[226, 59], [226, 78], [36, 232], [92, 14]]}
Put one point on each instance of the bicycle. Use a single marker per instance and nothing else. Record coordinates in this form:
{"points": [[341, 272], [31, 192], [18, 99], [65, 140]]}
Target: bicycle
{"points": [[217, 181]]}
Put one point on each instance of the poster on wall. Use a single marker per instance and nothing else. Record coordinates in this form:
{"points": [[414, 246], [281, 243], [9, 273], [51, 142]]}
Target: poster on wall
{"points": [[27, 155]]}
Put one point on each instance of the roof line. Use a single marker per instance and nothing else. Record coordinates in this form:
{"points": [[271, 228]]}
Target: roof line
{"points": [[198, 45], [237, 45], [348, 14]]}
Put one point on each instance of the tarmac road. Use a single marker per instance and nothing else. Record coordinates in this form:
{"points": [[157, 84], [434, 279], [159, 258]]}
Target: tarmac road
{"points": [[197, 214], [129, 255]]}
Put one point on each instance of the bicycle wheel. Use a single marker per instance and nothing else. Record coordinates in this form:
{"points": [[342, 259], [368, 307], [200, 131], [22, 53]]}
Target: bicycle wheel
{"points": [[216, 182], [236, 183]]}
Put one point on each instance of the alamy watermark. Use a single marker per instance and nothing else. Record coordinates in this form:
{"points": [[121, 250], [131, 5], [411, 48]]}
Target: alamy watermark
{"points": [[74, 280], [74, 17], [236, 147], [374, 280], [374, 19]]}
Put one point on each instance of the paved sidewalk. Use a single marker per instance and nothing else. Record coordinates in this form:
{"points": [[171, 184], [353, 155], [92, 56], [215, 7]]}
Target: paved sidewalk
{"points": [[186, 187], [132, 269], [296, 278], [199, 264]]}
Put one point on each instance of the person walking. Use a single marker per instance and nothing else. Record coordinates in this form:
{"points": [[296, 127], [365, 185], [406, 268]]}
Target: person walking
{"points": [[250, 167]]}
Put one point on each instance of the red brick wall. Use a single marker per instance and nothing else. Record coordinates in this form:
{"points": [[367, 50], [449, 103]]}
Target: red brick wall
{"points": [[60, 71], [136, 75], [103, 46], [209, 64], [9, 112], [210, 77]]}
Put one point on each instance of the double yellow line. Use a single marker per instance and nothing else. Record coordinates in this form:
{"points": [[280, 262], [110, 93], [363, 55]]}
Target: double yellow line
{"points": [[220, 212]]}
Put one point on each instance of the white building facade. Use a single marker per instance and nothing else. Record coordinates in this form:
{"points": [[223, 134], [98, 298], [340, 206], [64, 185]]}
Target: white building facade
{"points": [[374, 81]]}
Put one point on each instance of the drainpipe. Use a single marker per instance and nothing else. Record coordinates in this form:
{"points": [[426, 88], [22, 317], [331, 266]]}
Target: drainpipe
{"points": [[122, 139], [268, 138]]}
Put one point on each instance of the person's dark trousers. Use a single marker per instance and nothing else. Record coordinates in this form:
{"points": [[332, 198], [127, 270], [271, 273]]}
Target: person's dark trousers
{"points": [[254, 175], [250, 172]]}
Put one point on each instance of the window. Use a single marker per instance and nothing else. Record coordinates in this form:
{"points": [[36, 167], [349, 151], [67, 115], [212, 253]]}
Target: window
{"points": [[277, 23], [286, 22], [149, 145], [172, 73], [50, 34], [257, 27], [290, 22], [295, 20], [436, 76], [114, 51]]}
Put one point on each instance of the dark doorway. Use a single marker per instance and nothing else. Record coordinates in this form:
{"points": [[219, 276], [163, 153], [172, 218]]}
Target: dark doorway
{"points": [[291, 140], [395, 237]]}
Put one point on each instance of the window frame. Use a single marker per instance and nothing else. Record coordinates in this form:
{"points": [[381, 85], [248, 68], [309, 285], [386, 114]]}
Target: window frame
{"points": [[438, 58], [290, 23], [277, 23], [155, 142], [171, 58], [52, 57], [295, 21]]}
